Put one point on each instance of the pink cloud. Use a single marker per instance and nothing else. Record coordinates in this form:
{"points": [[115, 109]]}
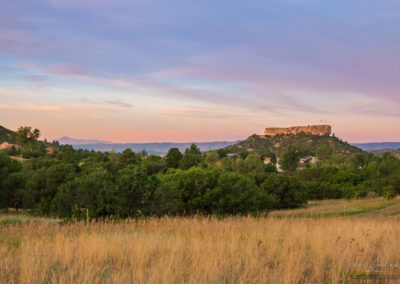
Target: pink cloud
{"points": [[67, 69]]}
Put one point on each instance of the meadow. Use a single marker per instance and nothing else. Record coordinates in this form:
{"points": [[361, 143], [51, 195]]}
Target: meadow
{"points": [[278, 249]]}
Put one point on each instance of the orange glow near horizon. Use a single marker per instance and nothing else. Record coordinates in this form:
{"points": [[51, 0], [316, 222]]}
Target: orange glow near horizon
{"points": [[54, 124], [165, 71]]}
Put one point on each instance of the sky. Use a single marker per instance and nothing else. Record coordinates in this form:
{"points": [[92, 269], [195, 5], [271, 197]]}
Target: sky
{"points": [[156, 71]]}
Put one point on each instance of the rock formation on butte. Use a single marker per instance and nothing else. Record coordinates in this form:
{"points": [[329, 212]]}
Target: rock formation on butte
{"points": [[313, 129]]}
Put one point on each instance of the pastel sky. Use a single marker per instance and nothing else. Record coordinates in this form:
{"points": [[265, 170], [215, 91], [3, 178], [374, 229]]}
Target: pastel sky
{"points": [[144, 71]]}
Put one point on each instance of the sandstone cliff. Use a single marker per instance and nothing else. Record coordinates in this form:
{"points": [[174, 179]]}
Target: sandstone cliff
{"points": [[313, 129]]}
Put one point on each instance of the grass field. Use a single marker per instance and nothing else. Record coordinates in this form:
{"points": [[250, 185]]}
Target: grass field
{"points": [[333, 208], [288, 247]]}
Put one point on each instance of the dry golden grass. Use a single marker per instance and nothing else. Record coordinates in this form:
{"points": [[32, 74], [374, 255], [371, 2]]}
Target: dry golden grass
{"points": [[343, 207], [200, 250]]}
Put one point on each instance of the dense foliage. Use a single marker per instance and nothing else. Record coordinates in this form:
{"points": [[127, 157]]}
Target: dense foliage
{"points": [[72, 183], [307, 142], [6, 135]]}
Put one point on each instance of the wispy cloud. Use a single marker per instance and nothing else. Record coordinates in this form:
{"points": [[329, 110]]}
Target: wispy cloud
{"points": [[119, 103], [105, 101], [373, 107], [225, 60], [67, 69], [36, 78], [200, 112]]}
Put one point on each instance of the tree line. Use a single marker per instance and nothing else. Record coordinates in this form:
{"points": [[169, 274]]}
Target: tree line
{"points": [[71, 183]]}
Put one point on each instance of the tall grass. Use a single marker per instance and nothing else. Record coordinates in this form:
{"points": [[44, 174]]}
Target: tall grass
{"points": [[201, 250], [342, 207]]}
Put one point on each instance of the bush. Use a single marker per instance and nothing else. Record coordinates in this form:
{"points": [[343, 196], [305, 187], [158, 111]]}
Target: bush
{"points": [[320, 190], [372, 194], [287, 189], [26, 154], [389, 192], [210, 191]]}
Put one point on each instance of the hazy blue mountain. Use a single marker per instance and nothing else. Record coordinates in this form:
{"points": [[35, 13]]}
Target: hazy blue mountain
{"points": [[377, 145], [72, 141], [151, 148]]}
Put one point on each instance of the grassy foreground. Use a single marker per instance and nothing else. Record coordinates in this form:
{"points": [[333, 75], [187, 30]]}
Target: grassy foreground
{"points": [[373, 207], [202, 250]]}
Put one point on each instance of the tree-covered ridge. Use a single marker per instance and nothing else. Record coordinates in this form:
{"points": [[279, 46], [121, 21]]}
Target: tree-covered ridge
{"points": [[381, 152], [72, 183], [304, 142], [6, 135]]}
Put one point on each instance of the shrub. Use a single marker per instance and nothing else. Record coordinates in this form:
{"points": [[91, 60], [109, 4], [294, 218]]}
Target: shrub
{"points": [[287, 189]]}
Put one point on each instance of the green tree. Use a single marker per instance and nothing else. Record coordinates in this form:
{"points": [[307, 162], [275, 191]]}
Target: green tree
{"points": [[243, 154], [287, 190], [324, 152], [389, 165], [50, 179], [10, 181], [128, 157], [173, 158], [273, 159], [237, 194], [13, 151], [26, 136], [211, 158], [143, 154], [358, 159], [134, 194], [191, 157], [226, 164], [194, 150], [238, 165], [187, 187], [289, 159], [95, 192], [254, 164], [154, 164], [222, 153], [13, 189]]}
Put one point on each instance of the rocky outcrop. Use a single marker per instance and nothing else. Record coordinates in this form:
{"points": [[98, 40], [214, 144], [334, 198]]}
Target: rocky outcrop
{"points": [[313, 129]]}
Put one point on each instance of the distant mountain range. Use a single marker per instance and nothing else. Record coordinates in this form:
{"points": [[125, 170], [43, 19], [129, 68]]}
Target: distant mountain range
{"points": [[379, 148], [151, 148], [91, 143], [377, 145], [72, 141]]}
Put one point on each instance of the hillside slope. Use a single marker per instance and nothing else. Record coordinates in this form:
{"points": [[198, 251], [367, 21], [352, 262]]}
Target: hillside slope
{"points": [[6, 135], [261, 144]]}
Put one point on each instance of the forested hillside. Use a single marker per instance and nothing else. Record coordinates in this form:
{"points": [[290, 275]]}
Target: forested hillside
{"points": [[71, 183], [6, 135], [305, 142]]}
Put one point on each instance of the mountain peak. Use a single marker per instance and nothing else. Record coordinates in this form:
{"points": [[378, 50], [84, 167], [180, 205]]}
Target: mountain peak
{"points": [[74, 141]]}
